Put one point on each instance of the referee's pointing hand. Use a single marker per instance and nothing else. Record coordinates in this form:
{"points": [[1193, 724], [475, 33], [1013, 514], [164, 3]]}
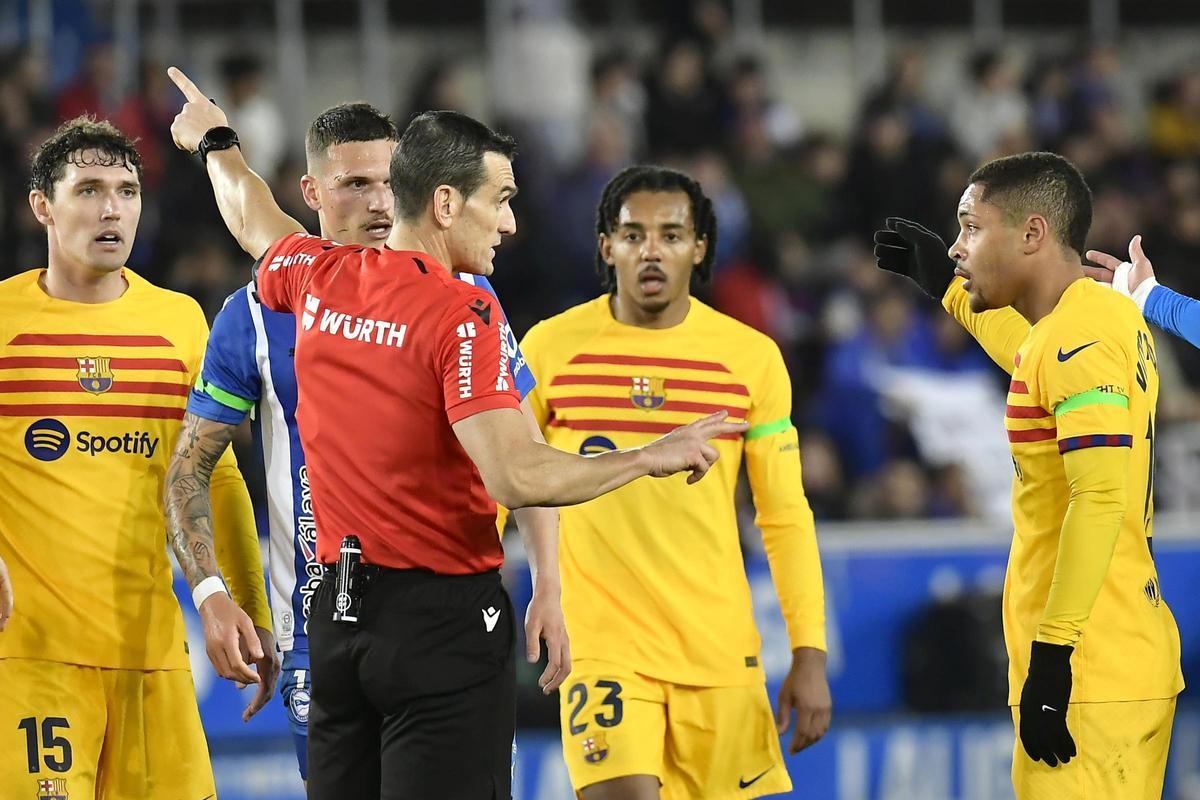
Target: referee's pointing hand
{"points": [[198, 116], [687, 449]]}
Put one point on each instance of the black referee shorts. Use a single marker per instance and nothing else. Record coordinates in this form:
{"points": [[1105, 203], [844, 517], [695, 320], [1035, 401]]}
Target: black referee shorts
{"points": [[415, 701]]}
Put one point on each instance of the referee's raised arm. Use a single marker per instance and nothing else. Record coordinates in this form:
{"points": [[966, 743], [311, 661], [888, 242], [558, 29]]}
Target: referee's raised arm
{"points": [[244, 199]]}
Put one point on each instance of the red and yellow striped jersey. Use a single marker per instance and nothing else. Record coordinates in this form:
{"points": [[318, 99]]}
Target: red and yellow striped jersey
{"points": [[652, 573], [1085, 376], [91, 398]]}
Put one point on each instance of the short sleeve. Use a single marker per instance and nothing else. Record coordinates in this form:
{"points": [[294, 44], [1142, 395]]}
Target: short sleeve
{"points": [[229, 384], [472, 354], [522, 374], [1084, 381], [285, 270]]}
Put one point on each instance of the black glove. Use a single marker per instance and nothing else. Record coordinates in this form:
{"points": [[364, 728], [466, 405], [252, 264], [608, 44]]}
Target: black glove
{"points": [[1044, 701], [910, 249]]}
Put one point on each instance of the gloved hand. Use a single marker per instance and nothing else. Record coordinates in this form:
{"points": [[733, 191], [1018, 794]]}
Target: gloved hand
{"points": [[1044, 701], [910, 249]]}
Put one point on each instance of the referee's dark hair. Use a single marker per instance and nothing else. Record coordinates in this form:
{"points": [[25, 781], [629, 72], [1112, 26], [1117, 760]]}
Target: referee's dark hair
{"points": [[442, 148], [1040, 183], [68, 144], [650, 178], [348, 122]]}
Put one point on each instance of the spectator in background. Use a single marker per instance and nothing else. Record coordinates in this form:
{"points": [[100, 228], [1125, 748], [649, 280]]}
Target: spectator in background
{"points": [[438, 87], [253, 113], [991, 110], [683, 102], [748, 99], [902, 90], [618, 94], [92, 90], [887, 172], [1175, 117]]}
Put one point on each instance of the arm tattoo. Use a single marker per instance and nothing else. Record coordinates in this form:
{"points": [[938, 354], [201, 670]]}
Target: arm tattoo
{"points": [[189, 509]]}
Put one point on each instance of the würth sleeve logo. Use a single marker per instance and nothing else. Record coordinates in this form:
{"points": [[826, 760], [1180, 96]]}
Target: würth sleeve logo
{"points": [[502, 384], [483, 310]]}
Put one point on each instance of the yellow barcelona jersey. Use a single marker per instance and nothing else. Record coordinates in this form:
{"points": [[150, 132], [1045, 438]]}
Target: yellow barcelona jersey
{"points": [[652, 574], [91, 398], [1084, 376]]}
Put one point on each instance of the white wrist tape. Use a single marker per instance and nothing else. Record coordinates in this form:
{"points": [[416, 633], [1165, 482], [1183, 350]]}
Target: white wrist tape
{"points": [[1120, 280], [1142, 293], [206, 589]]}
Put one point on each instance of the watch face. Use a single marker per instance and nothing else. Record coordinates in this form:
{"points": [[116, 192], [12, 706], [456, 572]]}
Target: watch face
{"points": [[220, 138]]}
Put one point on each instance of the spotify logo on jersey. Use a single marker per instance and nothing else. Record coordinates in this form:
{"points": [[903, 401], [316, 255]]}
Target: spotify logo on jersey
{"points": [[47, 440]]}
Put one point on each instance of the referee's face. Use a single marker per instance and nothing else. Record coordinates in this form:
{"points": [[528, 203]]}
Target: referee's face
{"points": [[484, 219], [93, 216]]}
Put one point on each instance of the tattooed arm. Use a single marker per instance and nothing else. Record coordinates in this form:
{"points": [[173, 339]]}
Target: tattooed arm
{"points": [[229, 632]]}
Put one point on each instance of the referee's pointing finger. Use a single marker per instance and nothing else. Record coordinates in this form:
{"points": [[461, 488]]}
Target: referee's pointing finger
{"points": [[189, 89]]}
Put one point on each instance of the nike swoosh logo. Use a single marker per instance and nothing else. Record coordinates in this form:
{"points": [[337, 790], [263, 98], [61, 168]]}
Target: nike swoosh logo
{"points": [[1064, 356], [743, 783], [1049, 708]]}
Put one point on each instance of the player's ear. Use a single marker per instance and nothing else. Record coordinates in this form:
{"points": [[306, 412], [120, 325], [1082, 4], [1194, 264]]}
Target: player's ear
{"points": [[1037, 233], [446, 204], [308, 188], [701, 251], [605, 245], [41, 207]]}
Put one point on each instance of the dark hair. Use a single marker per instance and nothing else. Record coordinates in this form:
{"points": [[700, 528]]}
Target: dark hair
{"points": [[237, 66], [348, 122], [113, 149], [650, 178], [442, 147], [1040, 183]]}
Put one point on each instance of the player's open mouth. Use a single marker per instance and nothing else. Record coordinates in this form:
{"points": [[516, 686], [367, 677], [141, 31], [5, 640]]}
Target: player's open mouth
{"points": [[109, 241], [379, 230], [652, 283]]}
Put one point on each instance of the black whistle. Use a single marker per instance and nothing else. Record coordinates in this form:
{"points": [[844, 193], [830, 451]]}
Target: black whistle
{"points": [[350, 579]]}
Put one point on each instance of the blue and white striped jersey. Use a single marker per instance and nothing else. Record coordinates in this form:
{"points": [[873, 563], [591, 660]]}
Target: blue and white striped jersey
{"points": [[248, 369]]}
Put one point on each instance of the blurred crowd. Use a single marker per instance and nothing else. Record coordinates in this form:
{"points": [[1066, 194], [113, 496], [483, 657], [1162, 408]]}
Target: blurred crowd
{"points": [[900, 411]]}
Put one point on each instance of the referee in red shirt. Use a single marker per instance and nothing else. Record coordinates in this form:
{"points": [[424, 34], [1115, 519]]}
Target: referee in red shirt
{"points": [[411, 426]]}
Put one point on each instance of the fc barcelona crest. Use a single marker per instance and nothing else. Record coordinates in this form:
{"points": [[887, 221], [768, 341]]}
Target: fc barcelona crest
{"points": [[94, 375], [648, 393], [595, 748], [53, 789]]}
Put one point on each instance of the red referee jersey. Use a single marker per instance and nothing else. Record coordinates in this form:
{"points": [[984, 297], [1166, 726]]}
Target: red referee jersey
{"points": [[391, 350]]}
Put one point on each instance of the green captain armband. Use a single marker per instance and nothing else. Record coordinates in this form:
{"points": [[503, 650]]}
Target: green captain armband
{"points": [[768, 429], [223, 397], [1092, 397]]}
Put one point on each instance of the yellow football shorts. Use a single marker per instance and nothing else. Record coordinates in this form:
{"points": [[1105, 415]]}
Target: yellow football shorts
{"points": [[700, 742], [1122, 754], [84, 732]]}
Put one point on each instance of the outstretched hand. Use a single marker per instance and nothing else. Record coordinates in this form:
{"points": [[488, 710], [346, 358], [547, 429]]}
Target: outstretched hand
{"points": [[198, 116], [687, 449], [1125, 276]]}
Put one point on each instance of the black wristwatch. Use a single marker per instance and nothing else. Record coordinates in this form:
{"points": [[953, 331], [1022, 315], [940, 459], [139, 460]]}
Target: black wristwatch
{"points": [[220, 138]]}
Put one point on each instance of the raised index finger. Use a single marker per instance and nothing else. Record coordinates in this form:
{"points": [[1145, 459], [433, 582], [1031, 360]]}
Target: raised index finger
{"points": [[189, 89]]}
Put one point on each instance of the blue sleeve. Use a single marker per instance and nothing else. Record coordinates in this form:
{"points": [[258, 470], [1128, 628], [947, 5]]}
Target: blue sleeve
{"points": [[229, 383], [522, 375], [1175, 313]]}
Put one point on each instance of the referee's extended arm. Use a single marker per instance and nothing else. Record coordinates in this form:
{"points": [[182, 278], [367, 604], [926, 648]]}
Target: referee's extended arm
{"points": [[244, 199], [520, 472]]}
